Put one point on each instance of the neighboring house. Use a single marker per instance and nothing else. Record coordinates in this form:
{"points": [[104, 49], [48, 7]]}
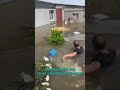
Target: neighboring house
{"points": [[74, 12], [46, 12]]}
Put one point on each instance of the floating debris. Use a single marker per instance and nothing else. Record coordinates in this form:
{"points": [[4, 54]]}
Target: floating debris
{"points": [[48, 65], [47, 78], [45, 84], [76, 33], [66, 22], [77, 86], [46, 59], [49, 89]]}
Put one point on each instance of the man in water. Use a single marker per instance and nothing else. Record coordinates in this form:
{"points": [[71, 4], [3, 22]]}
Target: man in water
{"points": [[77, 51], [103, 58]]}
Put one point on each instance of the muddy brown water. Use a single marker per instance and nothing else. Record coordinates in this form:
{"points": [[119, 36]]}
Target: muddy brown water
{"points": [[103, 80], [107, 80], [42, 49], [62, 82]]}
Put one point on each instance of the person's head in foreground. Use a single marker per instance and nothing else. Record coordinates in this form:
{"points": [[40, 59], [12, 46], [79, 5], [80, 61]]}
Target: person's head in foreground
{"points": [[99, 43], [104, 58], [76, 44]]}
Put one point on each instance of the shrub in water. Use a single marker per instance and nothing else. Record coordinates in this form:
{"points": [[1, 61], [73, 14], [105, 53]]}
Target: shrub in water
{"points": [[56, 37]]}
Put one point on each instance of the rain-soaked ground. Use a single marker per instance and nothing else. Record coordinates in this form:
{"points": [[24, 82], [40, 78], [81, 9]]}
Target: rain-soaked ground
{"points": [[63, 82]]}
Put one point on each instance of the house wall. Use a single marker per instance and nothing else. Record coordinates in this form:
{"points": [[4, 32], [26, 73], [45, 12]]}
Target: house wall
{"points": [[42, 17], [68, 13]]}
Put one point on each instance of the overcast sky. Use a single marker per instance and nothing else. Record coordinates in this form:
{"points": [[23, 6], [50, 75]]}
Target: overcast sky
{"points": [[71, 2]]}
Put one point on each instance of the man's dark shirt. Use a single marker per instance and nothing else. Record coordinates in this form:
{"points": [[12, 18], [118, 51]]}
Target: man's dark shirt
{"points": [[105, 59], [79, 51]]}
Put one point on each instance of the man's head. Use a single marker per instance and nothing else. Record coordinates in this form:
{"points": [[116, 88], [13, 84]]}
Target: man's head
{"points": [[76, 44], [99, 43]]}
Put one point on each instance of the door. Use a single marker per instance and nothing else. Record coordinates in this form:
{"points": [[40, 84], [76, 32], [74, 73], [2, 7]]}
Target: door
{"points": [[59, 17]]}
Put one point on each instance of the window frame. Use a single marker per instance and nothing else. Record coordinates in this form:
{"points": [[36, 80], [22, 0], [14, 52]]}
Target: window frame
{"points": [[51, 14]]}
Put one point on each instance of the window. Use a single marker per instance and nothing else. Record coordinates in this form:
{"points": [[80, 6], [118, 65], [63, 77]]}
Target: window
{"points": [[76, 15], [51, 13]]}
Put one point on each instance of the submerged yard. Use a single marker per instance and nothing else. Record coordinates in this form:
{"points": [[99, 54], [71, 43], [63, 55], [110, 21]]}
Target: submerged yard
{"points": [[103, 80], [42, 49]]}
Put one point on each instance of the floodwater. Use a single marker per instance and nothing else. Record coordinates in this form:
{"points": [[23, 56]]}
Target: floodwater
{"points": [[63, 82], [103, 80]]}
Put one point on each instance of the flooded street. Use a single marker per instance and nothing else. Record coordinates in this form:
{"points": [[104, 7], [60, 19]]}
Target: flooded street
{"points": [[42, 49]]}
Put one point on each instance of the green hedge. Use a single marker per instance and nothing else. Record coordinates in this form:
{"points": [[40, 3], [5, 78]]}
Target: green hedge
{"points": [[56, 37]]}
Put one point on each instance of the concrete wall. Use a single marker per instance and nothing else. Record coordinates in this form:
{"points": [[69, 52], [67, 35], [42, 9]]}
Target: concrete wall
{"points": [[70, 11], [42, 17]]}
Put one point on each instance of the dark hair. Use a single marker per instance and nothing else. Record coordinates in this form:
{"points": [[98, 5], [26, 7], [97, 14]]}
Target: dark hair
{"points": [[99, 42], [76, 44]]}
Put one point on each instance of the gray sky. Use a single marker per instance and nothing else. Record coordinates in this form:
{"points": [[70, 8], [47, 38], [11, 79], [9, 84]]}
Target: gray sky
{"points": [[71, 2]]}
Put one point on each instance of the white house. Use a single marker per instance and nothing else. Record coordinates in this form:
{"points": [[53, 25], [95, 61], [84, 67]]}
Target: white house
{"points": [[46, 12]]}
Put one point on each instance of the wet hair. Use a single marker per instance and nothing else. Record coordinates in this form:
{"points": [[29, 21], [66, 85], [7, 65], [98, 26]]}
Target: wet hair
{"points": [[99, 42], [76, 44]]}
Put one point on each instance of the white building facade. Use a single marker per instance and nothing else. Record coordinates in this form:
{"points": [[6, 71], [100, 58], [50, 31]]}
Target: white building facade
{"points": [[46, 12]]}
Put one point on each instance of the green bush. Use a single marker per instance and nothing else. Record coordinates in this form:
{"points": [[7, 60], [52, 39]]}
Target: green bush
{"points": [[56, 37]]}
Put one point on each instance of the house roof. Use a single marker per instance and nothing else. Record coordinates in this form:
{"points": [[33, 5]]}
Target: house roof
{"points": [[43, 4]]}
